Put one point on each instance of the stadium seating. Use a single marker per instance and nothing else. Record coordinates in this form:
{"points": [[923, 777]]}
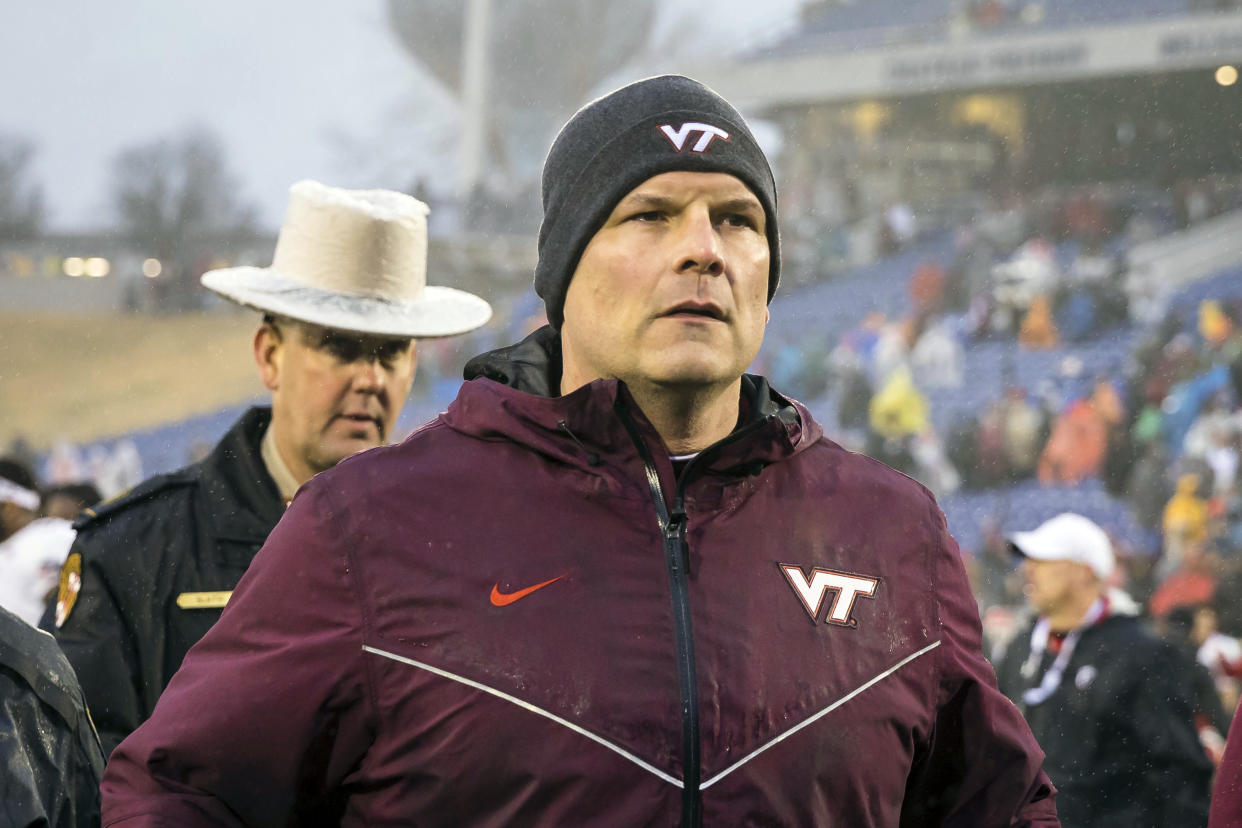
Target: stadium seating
{"points": [[865, 24], [1026, 505], [1063, 14], [831, 308]]}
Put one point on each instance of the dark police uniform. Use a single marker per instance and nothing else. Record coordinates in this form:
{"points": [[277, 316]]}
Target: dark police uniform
{"points": [[50, 758], [150, 572]]}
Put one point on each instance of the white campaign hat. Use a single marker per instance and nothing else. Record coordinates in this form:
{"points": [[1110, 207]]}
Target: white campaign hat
{"points": [[1067, 537], [354, 260]]}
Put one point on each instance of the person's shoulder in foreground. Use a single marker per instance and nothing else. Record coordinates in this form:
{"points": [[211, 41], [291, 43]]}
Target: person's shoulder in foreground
{"points": [[619, 582], [50, 758], [1227, 792]]}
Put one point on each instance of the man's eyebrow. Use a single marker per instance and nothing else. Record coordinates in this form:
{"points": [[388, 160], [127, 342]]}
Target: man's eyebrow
{"points": [[739, 205], [328, 336], [655, 202], [369, 342], [649, 201]]}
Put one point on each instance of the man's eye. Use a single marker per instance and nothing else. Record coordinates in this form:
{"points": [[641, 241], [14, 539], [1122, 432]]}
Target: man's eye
{"points": [[739, 220], [342, 350], [649, 215], [389, 355]]}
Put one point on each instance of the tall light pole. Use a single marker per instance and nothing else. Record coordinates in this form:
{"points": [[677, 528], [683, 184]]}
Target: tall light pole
{"points": [[474, 71]]}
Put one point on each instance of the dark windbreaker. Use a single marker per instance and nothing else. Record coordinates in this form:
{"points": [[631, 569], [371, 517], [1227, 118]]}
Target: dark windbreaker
{"points": [[50, 758], [519, 617]]}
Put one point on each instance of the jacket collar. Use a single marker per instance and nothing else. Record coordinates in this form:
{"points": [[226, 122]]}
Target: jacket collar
{"points": [[521, 381], [245, 501]]}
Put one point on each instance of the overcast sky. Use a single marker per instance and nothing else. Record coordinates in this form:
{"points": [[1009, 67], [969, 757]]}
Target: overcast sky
{"points": [[296, 89]]}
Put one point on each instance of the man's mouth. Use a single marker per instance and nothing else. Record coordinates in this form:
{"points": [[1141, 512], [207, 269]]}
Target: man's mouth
{"points": [[705, 310], [361, 420]]}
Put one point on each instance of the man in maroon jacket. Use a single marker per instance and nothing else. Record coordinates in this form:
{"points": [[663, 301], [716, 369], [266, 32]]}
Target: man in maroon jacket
{"points": [[618, 582]]}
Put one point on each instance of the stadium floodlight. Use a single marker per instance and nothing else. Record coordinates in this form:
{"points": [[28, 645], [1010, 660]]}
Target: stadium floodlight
{"points": [[97, 267]]}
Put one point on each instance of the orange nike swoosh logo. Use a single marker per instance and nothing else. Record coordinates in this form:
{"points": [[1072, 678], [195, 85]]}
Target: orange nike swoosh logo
{"points": [[504, 599]]}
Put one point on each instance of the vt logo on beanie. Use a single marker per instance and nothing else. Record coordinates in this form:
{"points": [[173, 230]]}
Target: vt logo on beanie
{"points": [[707, 131]]}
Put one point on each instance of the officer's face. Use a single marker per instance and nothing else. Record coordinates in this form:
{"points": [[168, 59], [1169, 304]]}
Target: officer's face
{"points": [[334, 393], [672, 290]]}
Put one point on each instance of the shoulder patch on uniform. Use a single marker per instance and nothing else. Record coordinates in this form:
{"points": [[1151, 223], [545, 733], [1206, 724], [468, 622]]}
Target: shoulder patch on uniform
{"points": [[70, 586], [93, 511]]}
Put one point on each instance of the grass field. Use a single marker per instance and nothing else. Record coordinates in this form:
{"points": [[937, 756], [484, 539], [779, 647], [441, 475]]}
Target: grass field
{"points": [[90, 376]]}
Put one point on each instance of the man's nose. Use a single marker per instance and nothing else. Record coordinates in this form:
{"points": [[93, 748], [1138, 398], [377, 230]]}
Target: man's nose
{"points": [[699, 243], [369, 375]]}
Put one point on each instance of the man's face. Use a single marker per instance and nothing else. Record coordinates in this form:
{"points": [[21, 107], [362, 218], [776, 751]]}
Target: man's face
{"points": [[672, 290], [8, 519], [63, 506], [1052, 586], [334, 392]]}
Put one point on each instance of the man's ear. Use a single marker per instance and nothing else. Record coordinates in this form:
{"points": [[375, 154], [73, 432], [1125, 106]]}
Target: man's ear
{"points": [[268, 354]]}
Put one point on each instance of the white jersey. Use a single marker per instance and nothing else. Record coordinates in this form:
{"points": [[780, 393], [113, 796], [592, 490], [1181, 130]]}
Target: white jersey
{"points": [[30, 562]]}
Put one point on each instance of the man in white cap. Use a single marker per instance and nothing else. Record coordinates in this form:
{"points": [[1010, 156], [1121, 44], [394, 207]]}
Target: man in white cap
{"points": [[342, 303], [1105, 698], [32, 545]]}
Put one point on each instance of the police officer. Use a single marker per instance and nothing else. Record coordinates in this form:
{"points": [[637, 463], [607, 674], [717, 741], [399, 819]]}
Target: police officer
{"points": [[342, 303]]}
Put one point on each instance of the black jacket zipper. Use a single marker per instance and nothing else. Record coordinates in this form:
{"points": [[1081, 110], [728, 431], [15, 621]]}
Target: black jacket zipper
{"points": [[677, 558], [673, 532]]}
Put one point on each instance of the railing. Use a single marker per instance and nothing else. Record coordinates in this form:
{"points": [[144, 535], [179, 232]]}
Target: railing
{"points": [[1159, 268]]}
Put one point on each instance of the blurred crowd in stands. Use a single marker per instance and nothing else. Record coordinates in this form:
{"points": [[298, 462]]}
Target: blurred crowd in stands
{"points": [[1158, 424]]}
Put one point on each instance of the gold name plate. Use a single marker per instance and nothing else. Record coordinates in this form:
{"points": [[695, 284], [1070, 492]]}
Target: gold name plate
{"points": [[203, 600]]}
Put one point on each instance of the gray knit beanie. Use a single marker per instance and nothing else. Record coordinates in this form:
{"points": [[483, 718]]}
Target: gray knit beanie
{"points": [[662, 124]]}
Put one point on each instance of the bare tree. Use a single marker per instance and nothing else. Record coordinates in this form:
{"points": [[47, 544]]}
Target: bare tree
{"points": [[21, 200], [177, 201]]}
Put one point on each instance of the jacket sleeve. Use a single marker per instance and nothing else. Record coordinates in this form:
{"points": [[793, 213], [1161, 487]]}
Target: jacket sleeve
{"points": [[49, 774], [270, 711], [1227, 794], [50, 759], [981, 765], [101, 645]]}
